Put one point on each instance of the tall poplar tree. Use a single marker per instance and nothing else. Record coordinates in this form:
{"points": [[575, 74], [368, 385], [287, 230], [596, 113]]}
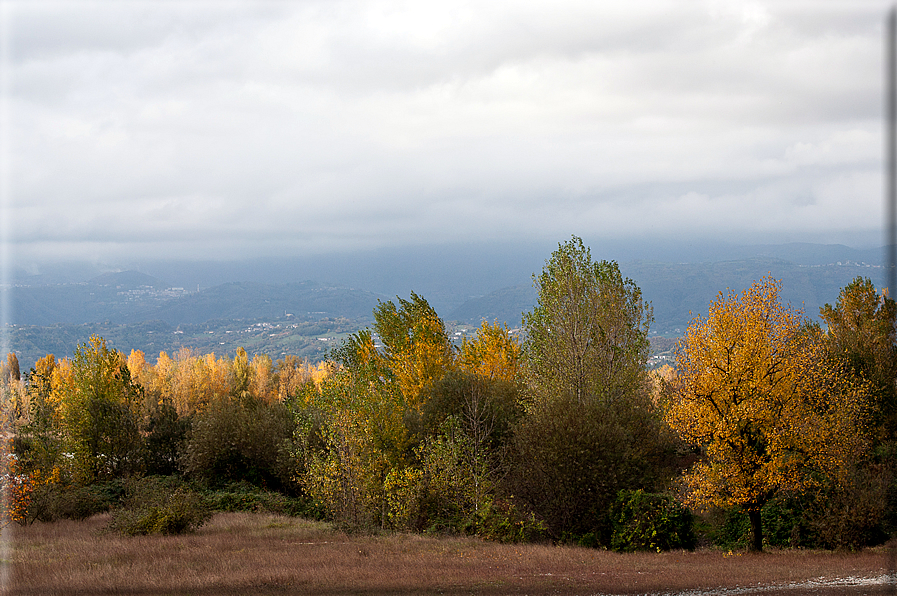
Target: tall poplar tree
{"points": [[588, 334], [590, 428]]}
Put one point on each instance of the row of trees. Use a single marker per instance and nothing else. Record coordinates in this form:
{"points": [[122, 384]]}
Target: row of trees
{"points": [[563, 435]]}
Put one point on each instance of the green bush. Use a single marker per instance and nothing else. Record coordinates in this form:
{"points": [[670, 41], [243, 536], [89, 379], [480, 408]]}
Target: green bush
{"points": [[647, 521], [160, 506], [571, 459], [783, 520], [830, 517], [502, 521], [242, 439], [54, 501], [165, 434], [245, 497], [785, 523], [850, 515], [485, 407], [728, 528]]}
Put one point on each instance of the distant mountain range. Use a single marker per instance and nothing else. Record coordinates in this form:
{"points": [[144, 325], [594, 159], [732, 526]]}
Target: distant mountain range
{"points": [[494, 286], [679, 292], [132, 297]]}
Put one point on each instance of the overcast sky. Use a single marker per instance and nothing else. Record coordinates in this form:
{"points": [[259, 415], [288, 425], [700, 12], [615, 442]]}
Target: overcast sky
{"points": [[218, 130]]}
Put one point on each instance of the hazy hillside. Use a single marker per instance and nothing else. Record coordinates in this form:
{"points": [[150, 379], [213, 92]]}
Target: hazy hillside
{"points": [[448, 275], [676, 290], [275, 337], [125, 280], [132, 297], [505, 305], [265, 301], [110, 297], [140, 311]]}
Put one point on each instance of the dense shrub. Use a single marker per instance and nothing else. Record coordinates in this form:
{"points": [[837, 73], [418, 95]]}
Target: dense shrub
{"points": [[165, 438], [245, 497], [572, 458], [455, 477], [503, 521], [158, 505], [646, 521], [783, 521], [53, 501], [833, 516], [850, 515], [785, 524], [242, 439], [485, 408]]}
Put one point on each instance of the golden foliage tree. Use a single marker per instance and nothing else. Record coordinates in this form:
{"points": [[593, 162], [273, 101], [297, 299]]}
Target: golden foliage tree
{"points": [[13, 395], [292, 376], [861, 333], [754, 390], [494, 353], [417, 349], [43, 415], [195, 381]]}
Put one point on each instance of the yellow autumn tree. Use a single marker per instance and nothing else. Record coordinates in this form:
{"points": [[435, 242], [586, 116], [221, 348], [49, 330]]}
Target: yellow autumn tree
{"points": [[43, 415], [493, 353], [754, 390], [14, 404], [197, 380], [157, 380], [292, 376], [262, 383], [147, 377], [415, 347]]}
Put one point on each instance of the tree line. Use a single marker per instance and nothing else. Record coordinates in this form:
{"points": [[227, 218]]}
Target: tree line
{"points": [[772, 429]]}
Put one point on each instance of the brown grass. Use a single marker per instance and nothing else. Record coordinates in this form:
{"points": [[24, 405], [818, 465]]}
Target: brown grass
{"points": [[238, 553]]}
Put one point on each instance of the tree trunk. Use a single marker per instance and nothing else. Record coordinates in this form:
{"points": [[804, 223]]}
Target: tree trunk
{"points": [[756, 544]]}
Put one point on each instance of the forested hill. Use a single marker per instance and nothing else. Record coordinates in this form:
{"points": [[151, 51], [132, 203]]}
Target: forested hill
{"points": [[246, 300], [134, 310], [131, 297], [679, 292]]}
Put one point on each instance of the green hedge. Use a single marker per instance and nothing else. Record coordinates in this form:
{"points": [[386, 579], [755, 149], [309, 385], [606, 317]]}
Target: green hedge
{"points": [[648, 521], [245, 497]]}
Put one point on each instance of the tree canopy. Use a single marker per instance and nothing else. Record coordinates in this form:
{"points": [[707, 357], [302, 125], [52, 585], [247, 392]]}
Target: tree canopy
{"points": [[590, 428], [861, 333], [753, 390], [588, 333]]}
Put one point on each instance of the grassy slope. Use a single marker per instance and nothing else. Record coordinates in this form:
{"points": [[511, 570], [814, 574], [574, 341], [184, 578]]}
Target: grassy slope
{"points": [[240, 553]]}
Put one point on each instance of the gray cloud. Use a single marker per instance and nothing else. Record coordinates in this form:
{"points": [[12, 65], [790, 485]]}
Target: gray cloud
{"points": [[210, 129]]}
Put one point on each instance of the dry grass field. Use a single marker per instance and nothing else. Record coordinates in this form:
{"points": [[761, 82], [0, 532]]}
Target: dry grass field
{"points": [[239, 553]]}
